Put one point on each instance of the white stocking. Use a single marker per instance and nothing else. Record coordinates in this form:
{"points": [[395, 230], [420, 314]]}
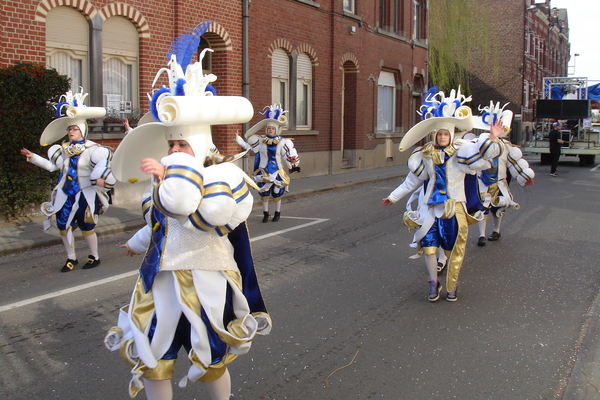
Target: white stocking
{"points": [[92, 242], [158, 390], [265, 205], [431, 262], [67, 240], [482, 224], [441, 255], [221, 388], [278, 206], [497, 222]]}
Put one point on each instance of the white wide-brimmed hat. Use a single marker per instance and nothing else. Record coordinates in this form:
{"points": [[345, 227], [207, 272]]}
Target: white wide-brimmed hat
{"points": [[274, 116], [70, 111], [440, 112], [183, 111]]}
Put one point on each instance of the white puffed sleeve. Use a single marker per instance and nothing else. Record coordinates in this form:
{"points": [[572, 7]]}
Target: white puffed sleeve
{"points": [[226, 200], [474, 155], [518, 167], [100, 159], [242, 143], [252, 143], [415, 178], [179, 194], [224, 210], [290, 153], [55, 159]]}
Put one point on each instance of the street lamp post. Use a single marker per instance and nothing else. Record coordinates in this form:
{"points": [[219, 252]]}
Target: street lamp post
{"points": [[574, 62]]}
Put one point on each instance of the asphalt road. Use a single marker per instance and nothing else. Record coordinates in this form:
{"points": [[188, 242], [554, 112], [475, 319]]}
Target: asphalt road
{"points": [[350, 310]]}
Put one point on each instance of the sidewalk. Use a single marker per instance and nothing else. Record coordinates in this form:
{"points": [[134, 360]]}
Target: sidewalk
{"points": [[27, 232]]}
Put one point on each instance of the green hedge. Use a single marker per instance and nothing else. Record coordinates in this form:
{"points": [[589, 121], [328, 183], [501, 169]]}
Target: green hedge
{"points": [[26, 94]]}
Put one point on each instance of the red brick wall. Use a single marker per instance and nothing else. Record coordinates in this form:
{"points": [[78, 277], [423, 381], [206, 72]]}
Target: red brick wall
{"points": [[323, 30]]}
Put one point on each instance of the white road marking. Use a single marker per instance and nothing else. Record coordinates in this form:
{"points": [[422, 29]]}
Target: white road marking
{"points": [[74, 289], [595, 168]]}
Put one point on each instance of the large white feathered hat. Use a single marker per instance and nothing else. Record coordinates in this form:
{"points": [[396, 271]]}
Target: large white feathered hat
{"points": [[71, 110], [440, 112], [183, 111], [274, 116], [489, 116]]}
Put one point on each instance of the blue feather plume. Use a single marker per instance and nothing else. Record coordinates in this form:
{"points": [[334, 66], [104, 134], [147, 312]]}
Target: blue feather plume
{"points": [[179, 90], [185, 46]]}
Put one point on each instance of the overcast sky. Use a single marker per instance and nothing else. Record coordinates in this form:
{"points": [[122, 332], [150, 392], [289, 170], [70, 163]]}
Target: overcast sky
{"points": [[584, 35]]}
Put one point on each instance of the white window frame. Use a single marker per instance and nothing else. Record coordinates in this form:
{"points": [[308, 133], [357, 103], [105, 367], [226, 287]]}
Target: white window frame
{"points": [[303, 89], [122, 45], [72, 42], [349, 6], [280, 78], [386, 102]]}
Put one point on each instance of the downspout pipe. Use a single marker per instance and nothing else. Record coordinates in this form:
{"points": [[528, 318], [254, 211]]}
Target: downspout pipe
{"points": [[245, 67]]}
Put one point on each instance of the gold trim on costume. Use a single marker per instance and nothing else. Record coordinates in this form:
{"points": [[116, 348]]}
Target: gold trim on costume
{"points": [[409, 222], [192, 175], [449, 209], [187, 291], [164, 370], [235, 277], [212, 374], [216, 189], [142, 306], [284, 177], [195, 217], [437, 157], [429, 250], [123, 350], [458, 252]]}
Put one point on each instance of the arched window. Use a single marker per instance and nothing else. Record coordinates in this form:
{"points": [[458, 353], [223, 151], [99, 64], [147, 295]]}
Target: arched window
{"points": [[120, 56], [280, 77], [303, 92], [386, 102], [67, 35]]}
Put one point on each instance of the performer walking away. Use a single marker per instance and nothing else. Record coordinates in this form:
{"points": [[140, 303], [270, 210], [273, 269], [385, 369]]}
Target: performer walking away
{"points": [[555, 143], [197, 286], [272, 151], [491, 190], [85, 176], [439, 169]]}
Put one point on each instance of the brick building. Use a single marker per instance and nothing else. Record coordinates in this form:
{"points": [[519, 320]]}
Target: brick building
{"points": [[350, 73], [534, 43]]}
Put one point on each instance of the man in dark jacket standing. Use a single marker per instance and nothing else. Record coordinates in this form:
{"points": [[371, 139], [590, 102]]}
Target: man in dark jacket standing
{"points": [[555, 146]]}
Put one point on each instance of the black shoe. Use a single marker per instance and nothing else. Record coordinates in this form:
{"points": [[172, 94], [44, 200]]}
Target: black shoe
{"points": [[69, 265], [276, 216], [434, 290], [441, 267], [91, 263], [453, 295], [265, 216], [481, 241], [494, 236]]}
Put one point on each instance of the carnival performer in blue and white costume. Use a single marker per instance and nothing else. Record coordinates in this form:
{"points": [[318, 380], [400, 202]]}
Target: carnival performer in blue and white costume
{"points": [[85, 176], [436, 181], [197, 286], [273, 153], [490, 191]]}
